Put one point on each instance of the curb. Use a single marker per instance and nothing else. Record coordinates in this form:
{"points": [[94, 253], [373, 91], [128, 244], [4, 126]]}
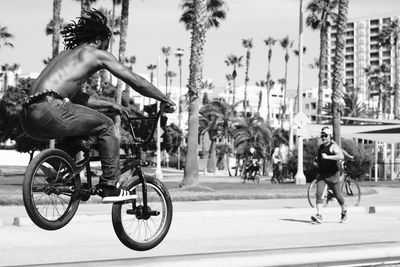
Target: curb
{"points": [[24, 221]]}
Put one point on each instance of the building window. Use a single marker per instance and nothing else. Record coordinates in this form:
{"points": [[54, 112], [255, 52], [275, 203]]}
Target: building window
{"points": [[350, 65], [374, 39], [350, 25], [313, 106], [374, 62], [386, 61], [374, 55], [350, 49], [349, 73], [307, 106], [309, 95], [374, 22], [386, 53], [374, 46], [350, 33], [349, 41], [327, 96], [386, 21], [349, 57], [375, 30]]}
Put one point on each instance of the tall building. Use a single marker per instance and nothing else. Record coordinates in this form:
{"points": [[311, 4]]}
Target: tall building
{"points": [[362, 51]]}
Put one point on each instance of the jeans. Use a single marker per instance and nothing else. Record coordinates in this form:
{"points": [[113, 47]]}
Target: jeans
{"points": [[57, 119]]}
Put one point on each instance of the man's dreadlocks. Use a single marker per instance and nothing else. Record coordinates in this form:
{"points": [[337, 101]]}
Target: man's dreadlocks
{"points": [[91, 26]]}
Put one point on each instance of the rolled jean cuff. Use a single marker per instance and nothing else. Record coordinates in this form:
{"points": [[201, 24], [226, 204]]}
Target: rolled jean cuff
{"points": [[108, 181]]}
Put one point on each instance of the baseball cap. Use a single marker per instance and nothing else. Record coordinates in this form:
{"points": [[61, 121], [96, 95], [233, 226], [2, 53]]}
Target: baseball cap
{"points": [[326, 130]]}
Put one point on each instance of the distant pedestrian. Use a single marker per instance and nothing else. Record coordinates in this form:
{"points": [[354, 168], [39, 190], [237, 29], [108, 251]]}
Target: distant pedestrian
{"points": [[329, 156]]}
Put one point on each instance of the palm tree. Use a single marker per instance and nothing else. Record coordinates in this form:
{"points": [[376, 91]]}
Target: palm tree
{"points": [[236, 62], [56, 27], [121, 56], [252, 132], [261, 84], [389, 37], [166, 52], [282, 82], [85, 5], [130, 61], [170, 74], [296, 51], [353, 106], [379, 84], [198, 16], [151, 68], [248, 44], [5, 37], [286, 44], [322, 13], [209, 123], [337, 83], [229, 78], [114, 22], [269, 42]]}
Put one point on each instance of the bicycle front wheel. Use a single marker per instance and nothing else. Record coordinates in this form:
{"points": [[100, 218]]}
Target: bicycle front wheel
{"points": [[137, 228], [49, 193], [351, 192], [312, 195]]}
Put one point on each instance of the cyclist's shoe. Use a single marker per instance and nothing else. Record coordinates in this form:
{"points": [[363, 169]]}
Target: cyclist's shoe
{"points": [[317, 218], [343, 217], [111, 194]]}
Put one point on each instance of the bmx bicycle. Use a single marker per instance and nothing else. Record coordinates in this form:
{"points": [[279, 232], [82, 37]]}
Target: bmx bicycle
{"points": [[349, 188], [52, 190]]}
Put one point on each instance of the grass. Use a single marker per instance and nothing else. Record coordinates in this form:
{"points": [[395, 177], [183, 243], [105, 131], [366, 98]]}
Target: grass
{"points": [[11, 190]]}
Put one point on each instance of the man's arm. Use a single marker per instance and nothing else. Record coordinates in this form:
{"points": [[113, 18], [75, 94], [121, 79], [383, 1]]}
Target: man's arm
{"points": [[138, 83], [335, 149]]}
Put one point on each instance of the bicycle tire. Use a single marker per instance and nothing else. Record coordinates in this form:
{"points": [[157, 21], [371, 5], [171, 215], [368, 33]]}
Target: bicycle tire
{"points": [[156, 227], [351, 192], [312, 195], [47, 208]]}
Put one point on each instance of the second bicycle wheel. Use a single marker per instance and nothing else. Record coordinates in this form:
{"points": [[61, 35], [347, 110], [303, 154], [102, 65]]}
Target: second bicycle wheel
{"points": [[49, 193], [351, 192], [137, 229]]}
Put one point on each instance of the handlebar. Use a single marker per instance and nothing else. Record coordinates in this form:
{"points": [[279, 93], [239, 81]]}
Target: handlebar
{"points": [[138, 140]]}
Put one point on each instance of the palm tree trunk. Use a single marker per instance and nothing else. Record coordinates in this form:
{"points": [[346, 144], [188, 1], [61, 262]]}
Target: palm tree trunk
{"points": [[212, 157], [198, 37], [246, 80], [323, 62], [56, 20], [85, 6], [337, 84], [121, 57]]}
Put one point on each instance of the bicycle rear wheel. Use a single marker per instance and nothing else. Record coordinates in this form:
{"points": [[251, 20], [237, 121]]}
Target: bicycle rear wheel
{"points": [[49, 195], [351, 192], [134, 228]]}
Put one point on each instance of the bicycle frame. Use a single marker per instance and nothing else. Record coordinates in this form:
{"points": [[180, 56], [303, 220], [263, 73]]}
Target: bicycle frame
{"points": [[133, 162]]}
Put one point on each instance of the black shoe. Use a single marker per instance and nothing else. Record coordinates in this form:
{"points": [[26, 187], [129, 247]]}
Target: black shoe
{"points": [[111, 194], [343, 217], [317, 218]]}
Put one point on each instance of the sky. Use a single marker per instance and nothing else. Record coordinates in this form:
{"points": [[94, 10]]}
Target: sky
{"points": [[154, 24]]}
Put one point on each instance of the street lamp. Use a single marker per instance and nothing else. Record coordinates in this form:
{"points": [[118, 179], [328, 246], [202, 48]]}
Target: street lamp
{"points": [[179, 53], [300, 177]]}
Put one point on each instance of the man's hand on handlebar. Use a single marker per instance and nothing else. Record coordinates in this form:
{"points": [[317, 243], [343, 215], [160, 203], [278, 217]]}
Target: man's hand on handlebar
{"points": [[168, 107]]}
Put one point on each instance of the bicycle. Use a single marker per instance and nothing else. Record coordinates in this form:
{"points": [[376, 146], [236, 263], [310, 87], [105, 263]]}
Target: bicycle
{"points": [[52, 190], [349, 188], [251, 171]]}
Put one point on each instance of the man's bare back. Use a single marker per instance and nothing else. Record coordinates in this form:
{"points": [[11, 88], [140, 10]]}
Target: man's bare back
{"points": [[67, 71]]}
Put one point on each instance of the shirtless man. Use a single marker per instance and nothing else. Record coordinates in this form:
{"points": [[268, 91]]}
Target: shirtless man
{"points": [[57, 108]]}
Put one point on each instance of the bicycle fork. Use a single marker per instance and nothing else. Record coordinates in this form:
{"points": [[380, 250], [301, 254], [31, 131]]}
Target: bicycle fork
{"points": [[142, 211]]}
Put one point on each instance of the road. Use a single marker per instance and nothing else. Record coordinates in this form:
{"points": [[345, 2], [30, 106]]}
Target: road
{"points": [[217, 233]]}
